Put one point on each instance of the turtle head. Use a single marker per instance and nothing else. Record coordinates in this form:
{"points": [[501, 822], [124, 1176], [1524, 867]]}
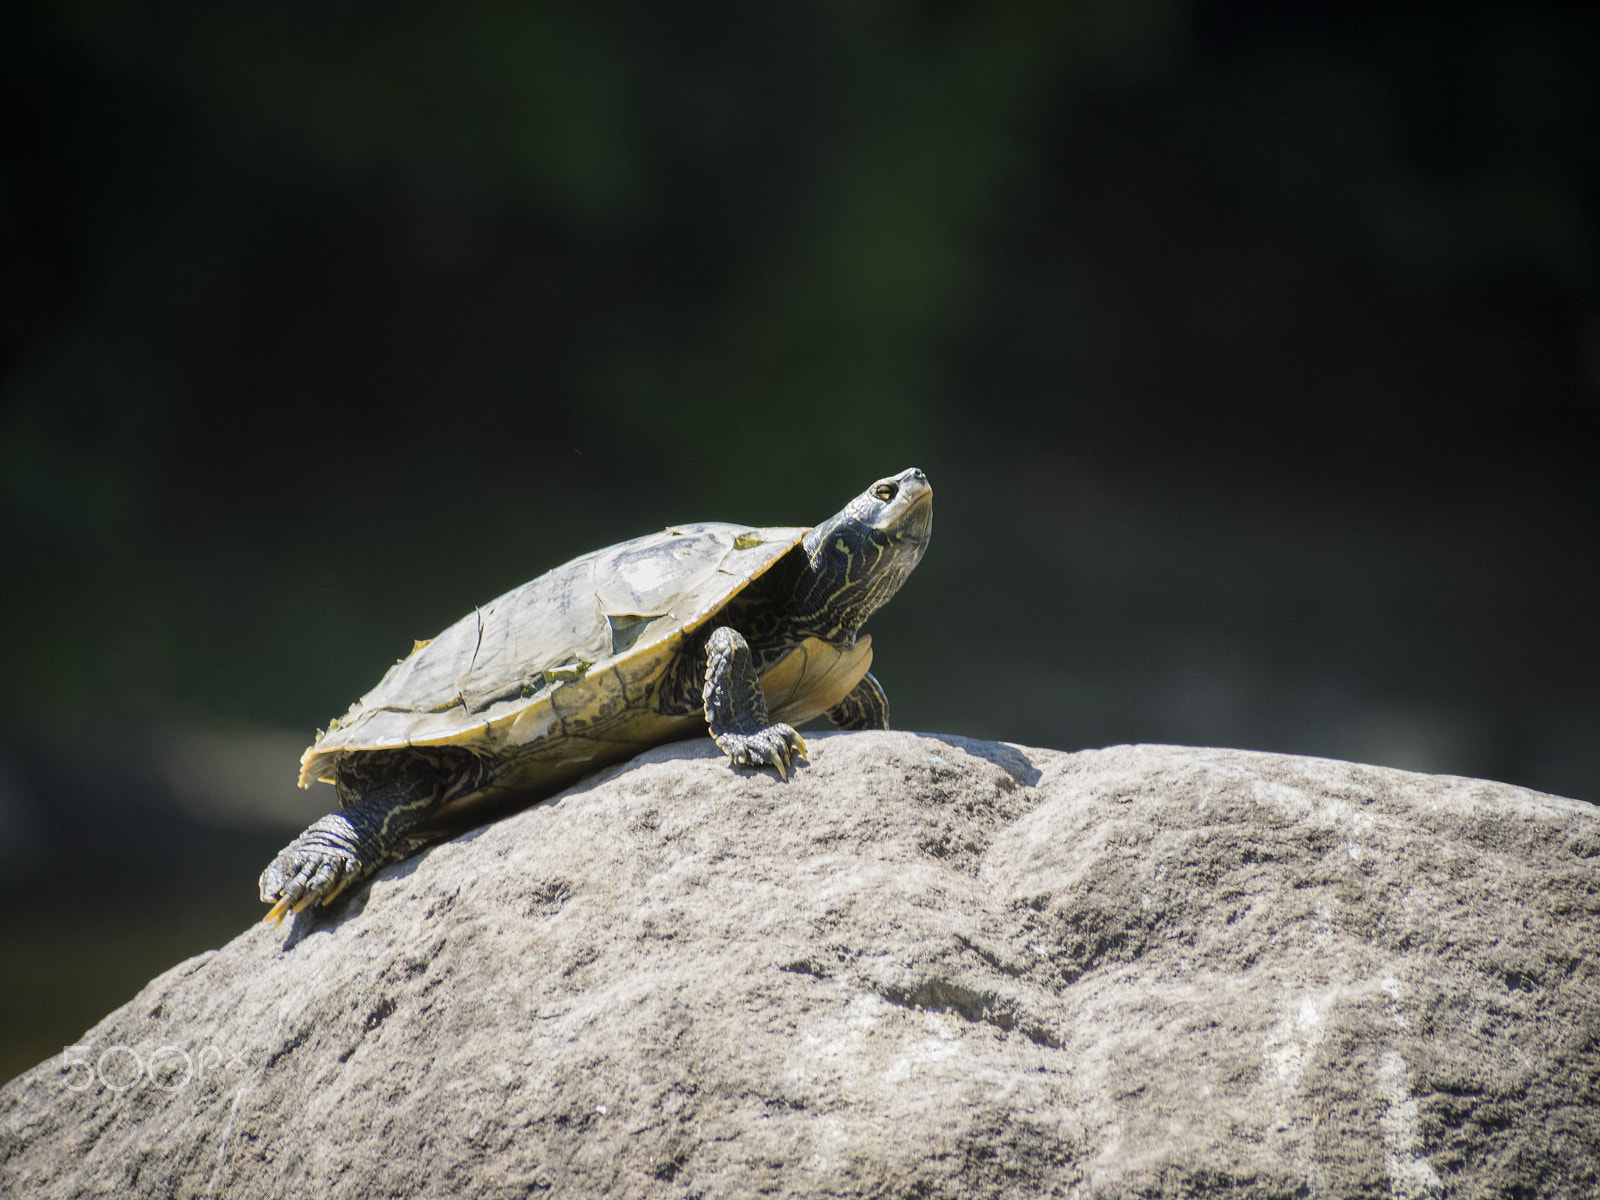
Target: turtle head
{"points": [[860, 556]]}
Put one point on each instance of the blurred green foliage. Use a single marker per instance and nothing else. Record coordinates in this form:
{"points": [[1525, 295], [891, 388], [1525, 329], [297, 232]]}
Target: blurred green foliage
{"points": [[323, 322]]}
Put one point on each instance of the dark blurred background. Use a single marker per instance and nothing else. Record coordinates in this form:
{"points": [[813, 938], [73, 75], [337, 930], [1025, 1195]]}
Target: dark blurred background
{"points": [[1253, 351]]}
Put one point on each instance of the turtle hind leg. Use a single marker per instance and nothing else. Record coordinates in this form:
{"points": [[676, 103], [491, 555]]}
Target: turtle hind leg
{"points": [[736, 708], [865, 707], [345, 847]]}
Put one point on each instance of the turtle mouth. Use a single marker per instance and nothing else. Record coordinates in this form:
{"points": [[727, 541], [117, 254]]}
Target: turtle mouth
{"points": [[916, 523]]}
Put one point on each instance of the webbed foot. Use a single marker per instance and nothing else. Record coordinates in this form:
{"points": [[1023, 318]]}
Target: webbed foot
{"points": [[312, 869], [395, 796], [736, 708], [775, 746]]}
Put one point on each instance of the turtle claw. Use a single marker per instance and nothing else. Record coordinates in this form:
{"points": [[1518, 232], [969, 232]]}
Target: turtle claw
{"points": [[304, 875], [776, 746]]}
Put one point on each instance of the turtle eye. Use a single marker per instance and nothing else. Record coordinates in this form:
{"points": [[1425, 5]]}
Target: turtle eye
{"points": [[886, 491]]}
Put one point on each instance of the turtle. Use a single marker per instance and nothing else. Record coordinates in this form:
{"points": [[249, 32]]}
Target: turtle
{"points": [[749, 630]]}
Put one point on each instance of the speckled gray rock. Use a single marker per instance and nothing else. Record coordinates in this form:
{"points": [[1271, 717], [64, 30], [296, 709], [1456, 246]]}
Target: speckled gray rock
{"points": [[921, 967]]}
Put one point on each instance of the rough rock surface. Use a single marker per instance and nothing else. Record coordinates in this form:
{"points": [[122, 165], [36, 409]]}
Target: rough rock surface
{"points": [[922, 967]]}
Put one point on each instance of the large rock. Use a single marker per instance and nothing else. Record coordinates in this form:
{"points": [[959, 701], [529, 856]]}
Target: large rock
{"points": [[921, 967]]}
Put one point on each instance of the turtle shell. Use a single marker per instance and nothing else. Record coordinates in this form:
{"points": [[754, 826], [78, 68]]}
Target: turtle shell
{"points": [[556, 677]]}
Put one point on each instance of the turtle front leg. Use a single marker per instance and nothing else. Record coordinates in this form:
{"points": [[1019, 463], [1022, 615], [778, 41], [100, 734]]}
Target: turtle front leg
{"points": [[346, 846], [736, 707], [866, 707]]}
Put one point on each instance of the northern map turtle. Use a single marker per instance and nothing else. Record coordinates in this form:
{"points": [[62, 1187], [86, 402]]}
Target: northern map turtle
{"points": [[749, 630]]}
